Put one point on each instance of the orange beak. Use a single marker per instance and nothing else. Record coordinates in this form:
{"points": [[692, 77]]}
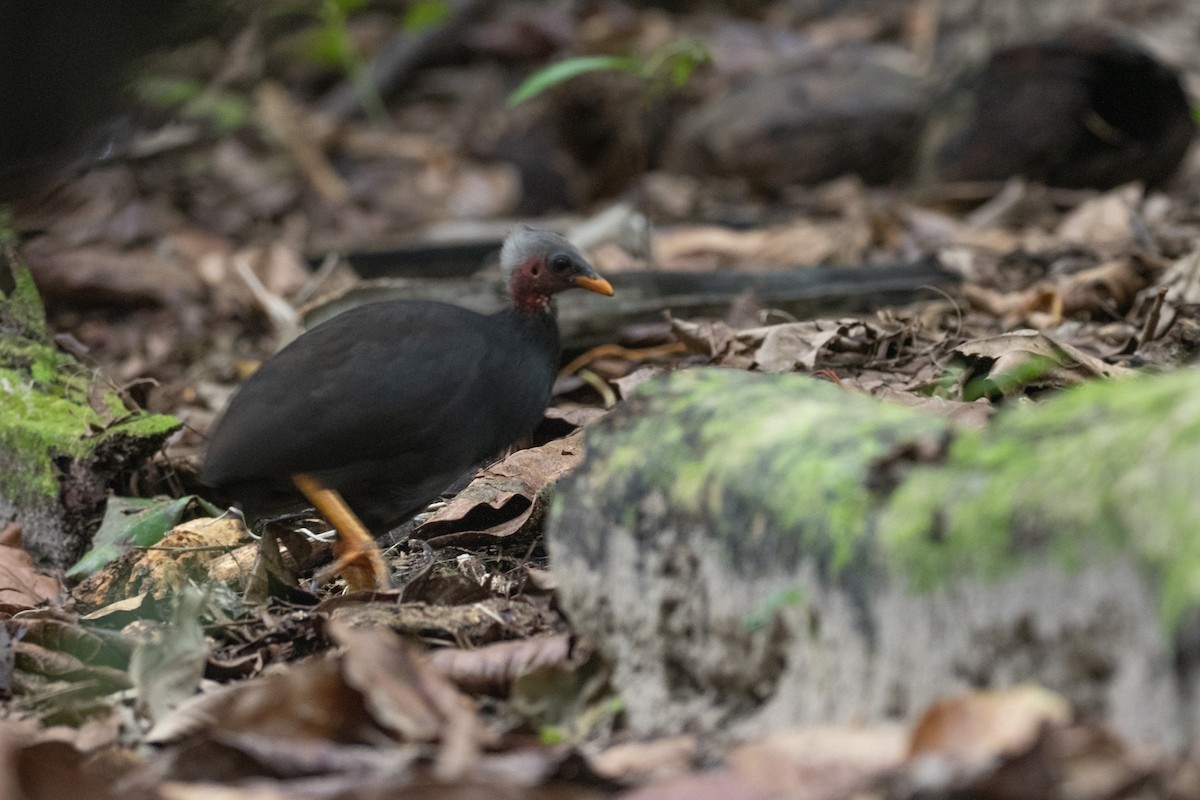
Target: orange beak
{"points": [[594, 284]]}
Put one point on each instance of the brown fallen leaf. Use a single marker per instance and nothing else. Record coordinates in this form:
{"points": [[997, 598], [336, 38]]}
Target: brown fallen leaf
{"points": [[1106, 219], [641, 762], [33, 770], [785, 348], [800, 242], [376, 688], [821, 763], [973, 732], [1108, 288], [215, 762], [1021, 743], [1105, 291], [792, 346], [1015, 307], [505, 497], [102, 273], [714, 339], [404, 693], [491, 669], [22, 585], [308, 700], [1077, 761], [973, 415]]}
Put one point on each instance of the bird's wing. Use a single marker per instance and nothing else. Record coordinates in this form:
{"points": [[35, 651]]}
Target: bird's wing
{"points": [[373, 382]]}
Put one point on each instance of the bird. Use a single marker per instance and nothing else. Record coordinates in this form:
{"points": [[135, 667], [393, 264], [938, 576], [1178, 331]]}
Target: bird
{"points": [[372, 414]]}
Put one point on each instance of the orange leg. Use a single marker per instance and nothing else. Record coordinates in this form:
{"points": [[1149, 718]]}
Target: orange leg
{"points": [[358, 558]]}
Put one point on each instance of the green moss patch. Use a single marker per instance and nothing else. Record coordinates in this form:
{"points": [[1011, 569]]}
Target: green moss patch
{"points": [[1111, 467], [780, 468], [750, 453], [53, 408]]}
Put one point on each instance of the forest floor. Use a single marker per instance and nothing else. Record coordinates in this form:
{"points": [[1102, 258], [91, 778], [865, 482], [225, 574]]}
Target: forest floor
{"points": [[186, 668]]}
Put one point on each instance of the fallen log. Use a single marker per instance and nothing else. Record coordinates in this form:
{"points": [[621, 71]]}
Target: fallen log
{"points": [[758, 551]]}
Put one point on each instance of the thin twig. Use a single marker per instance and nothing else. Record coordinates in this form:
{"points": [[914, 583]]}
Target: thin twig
{"points": [[1151, 327], [224, 548]]}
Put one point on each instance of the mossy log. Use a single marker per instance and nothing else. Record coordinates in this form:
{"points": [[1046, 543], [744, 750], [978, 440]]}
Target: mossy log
{"points": [[66, 436], [754, 551]]}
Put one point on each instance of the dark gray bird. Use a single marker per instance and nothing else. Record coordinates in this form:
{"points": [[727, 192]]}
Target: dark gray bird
{"points": [[373, 413]]}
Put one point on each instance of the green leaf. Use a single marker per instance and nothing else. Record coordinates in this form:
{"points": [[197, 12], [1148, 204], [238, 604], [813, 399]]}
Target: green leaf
{"points": [[677, 61], [425, 15], [133, 522], [562, 71], [551, 735], [329, 46], [224, 111], [168, 92]]}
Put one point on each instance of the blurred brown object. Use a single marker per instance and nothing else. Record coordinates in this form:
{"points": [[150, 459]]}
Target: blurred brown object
{"points": [[847, 112], [1087, 108]]}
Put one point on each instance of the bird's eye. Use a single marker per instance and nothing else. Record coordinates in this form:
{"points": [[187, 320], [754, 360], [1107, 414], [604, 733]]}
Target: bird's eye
{"points": [[560, 263]]}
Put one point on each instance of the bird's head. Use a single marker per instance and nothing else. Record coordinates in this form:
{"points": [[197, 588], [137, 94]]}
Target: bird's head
{"points": [[540, 264]]}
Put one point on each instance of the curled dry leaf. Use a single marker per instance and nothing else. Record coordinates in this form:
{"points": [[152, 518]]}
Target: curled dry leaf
{"points": [[785, 348], [807, 346], [376, 687], [1182, 279], [973, 732], [1013, 307], [1109, 288], [1019, 742], [407, 695], [1106, 290], [714, 339], [504, 497], [1030, 359], [309, 700]]}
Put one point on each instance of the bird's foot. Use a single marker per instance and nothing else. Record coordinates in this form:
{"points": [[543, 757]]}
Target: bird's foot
{"points": [[359, 559], [360, 564]]}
